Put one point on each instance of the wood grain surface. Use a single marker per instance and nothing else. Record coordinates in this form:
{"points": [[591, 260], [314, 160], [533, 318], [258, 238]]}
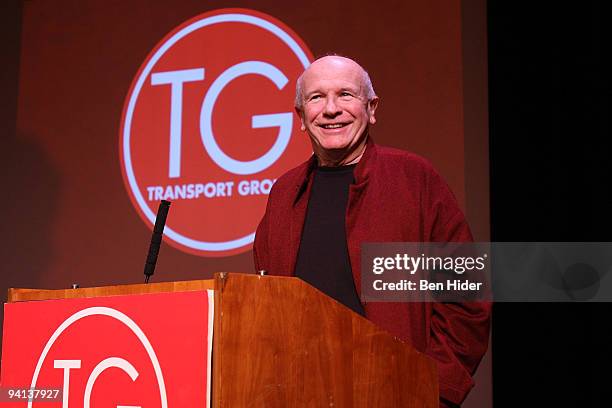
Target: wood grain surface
{"points": [[21, 295], [281, 343]]}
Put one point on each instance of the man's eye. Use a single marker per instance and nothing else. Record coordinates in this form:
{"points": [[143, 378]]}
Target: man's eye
{"points": [[315, 97], [345, 94]]}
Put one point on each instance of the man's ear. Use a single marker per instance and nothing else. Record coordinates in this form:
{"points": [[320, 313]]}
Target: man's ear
{"points": [[301, 116], [372, 105]]}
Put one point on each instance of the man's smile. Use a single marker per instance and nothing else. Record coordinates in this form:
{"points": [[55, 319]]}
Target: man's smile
{"points": [[332, 125]]}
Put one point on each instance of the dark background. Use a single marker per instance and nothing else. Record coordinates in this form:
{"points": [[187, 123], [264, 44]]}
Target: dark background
{"points": [[549, 112]]}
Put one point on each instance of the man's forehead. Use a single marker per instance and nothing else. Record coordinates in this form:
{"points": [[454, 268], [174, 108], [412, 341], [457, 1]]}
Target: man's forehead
{"points": [[335, 61], [333, 71]]}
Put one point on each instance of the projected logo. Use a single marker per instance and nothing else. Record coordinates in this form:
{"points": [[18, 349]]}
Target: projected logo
{"points": [[209, 125]]}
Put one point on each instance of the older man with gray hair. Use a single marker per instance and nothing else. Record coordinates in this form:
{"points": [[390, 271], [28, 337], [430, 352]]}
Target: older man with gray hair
{"points": [[353, 191]]}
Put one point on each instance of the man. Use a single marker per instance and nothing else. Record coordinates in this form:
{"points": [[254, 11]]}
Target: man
{"points": [[353, 191]]}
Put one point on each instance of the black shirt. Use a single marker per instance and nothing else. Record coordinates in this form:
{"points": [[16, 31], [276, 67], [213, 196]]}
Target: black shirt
{"points": [[323, 259]]}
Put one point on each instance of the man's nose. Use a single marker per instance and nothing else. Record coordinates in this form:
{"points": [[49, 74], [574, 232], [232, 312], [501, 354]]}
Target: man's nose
{"points": [[331, 107]]}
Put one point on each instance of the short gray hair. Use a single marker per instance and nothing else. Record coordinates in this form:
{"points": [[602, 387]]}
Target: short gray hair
{"points": [[367, 82]]}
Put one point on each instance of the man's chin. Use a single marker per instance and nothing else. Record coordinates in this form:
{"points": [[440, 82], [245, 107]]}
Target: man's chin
{"points": [[337, 148], [334, 143]]}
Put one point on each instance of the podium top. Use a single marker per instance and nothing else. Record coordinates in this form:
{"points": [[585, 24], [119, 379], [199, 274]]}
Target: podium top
{"points": [[22, 295]]}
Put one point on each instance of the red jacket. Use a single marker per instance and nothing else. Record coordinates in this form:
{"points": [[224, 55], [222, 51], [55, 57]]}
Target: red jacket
{"points": [[397, 197]]}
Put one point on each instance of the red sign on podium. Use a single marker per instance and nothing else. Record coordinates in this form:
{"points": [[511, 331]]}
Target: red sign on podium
{"points": [[148, 350]]}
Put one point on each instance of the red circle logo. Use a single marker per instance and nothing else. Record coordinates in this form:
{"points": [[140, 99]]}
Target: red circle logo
{"points": [[209, 125]]}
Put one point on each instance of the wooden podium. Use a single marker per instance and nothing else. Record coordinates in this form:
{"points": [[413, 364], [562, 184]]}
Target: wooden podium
{"points": [[278, 342]]}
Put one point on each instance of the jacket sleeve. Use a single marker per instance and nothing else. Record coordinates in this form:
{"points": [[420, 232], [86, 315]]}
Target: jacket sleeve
{"points": [[260, 246], [459, 332]]}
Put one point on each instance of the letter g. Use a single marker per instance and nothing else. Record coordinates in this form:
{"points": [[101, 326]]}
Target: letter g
{"points": [[282, 120]]}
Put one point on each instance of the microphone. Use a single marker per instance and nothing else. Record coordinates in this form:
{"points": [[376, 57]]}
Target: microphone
{"points": [[156, 239]]}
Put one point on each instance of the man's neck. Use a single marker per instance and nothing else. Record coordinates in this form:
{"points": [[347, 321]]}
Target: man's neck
{"points": [[328, 160]]}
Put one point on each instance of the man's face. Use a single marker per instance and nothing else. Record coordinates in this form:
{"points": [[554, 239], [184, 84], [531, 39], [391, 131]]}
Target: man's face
{"points": [[335, 110]]}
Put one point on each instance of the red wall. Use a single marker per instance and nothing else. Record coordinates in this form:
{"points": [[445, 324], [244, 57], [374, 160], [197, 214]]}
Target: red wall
{"points": [[72, 218], [78, 60]]}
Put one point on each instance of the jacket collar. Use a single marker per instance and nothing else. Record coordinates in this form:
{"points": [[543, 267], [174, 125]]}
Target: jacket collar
{"points": [[362, 170], [361, 173]]}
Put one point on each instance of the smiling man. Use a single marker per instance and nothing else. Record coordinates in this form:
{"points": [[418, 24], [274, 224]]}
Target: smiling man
{"points": [[353, 191], [336, 103]]}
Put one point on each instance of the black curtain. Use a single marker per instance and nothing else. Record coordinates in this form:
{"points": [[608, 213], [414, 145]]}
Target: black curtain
{"points": [[550, 128]]}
